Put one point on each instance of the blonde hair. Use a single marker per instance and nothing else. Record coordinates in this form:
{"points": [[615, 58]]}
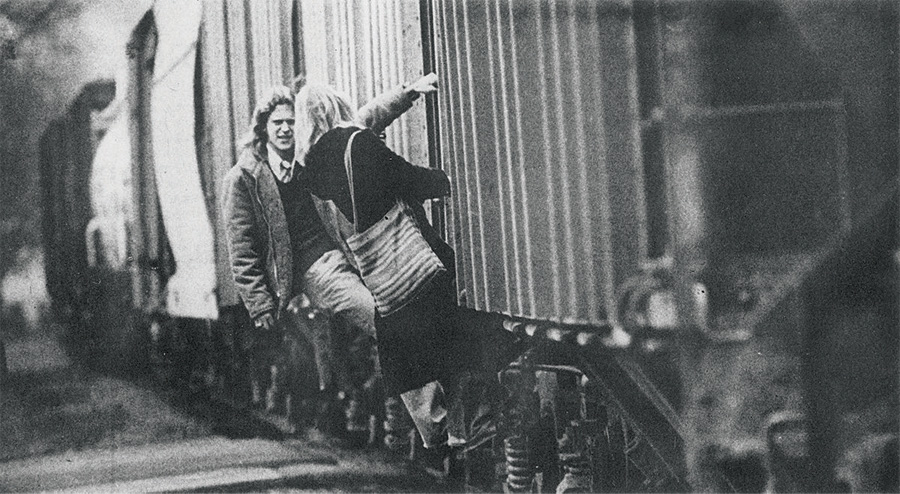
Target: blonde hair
{"points": [[317, 109]]}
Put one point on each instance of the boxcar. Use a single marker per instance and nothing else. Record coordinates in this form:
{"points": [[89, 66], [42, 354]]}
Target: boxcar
{"points": [[695, 172], [66, 149]]}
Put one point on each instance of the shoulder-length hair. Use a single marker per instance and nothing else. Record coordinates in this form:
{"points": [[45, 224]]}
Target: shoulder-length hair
{"points": [[256, 137], [317, 109]]}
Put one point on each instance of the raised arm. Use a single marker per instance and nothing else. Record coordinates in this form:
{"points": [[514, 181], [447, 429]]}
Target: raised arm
{"points": [[382, 110]]}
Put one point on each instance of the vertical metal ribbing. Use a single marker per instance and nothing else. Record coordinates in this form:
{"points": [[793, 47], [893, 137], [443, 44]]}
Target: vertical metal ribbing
{"points": [[373, 33], [377, 68], [498, 160], [289, 11], [241, 88], [257, 38], [349, 55], [383, 73], [590, 287], [397, 76], [377, 45], [445, 112], [273, 45], [389, 63], [520, 148], [351, 52], [476, 158], [262, 52], [368, 48], [447, 127], [606, 243], [314, 35], [247, 50], [563, 164], [402, 60], [518, 307], [474, 296], [548, 169], [637, 148], [344, 55], [443, 109], [439, 149], [383, 61], [275, 18], [223, 93], [337, 36], [264, 44]]}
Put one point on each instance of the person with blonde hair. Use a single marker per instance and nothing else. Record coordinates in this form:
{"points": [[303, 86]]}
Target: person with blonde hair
{"points": [[277, 242], [421, 353]]}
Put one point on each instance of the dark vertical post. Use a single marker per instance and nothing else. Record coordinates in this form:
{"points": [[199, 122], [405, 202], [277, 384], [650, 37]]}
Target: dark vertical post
{"points": [[687, 215], [432, 120]]}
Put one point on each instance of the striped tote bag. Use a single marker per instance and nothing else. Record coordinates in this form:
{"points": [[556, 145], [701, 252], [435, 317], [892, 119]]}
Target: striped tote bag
{"points": [[394, 260]]}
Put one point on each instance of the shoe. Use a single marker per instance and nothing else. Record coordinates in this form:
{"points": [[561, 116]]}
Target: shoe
{"points": [[435, 460], [330, 414], [357, 424]]}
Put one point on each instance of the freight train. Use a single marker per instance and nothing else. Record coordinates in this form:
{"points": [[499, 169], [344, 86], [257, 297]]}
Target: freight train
{"points": [[682, 213]]}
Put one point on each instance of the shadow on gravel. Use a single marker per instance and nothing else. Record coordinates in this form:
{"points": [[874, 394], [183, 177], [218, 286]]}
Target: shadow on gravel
{"points": [[66, 409]]}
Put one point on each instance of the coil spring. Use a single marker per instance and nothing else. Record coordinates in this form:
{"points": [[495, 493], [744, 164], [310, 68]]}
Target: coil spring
{"points": [[571, 455], [519, 468]]}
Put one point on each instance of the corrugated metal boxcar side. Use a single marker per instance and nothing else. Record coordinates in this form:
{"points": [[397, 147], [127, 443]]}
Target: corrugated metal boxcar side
{"points": [[540, 134]]}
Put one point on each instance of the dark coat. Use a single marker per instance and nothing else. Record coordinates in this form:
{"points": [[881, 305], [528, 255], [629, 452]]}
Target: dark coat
{"points": [[415, 344]]}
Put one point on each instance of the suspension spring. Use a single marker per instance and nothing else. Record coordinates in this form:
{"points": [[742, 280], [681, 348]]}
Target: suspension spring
{"points": [[519, 468]]}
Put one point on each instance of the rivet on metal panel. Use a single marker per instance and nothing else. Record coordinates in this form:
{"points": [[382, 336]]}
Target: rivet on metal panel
{"points": [[555, 334], [511, 326], [587, 338], [617, 338]]}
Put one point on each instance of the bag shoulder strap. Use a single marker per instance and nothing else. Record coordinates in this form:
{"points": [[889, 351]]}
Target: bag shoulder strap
{"points": [[348, 164]]}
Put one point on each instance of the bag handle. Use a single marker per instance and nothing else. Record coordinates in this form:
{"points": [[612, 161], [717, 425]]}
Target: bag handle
{"points": [[348, 164]]}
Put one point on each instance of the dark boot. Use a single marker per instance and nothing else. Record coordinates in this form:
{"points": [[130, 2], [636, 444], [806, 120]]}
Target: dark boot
{"points": [[330, 413]]}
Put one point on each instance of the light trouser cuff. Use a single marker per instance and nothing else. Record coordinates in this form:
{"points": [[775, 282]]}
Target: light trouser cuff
{"points": [[428, 412]]}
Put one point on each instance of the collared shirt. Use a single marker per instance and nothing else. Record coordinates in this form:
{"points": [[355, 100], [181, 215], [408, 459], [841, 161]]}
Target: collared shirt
{"points": [[283, 169]]}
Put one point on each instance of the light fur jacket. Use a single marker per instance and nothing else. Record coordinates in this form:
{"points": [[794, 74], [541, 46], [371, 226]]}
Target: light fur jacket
{"points": [[256, 228]]}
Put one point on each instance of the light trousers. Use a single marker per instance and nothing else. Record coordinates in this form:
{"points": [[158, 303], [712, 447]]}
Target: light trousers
{"points": [[333, 287]]}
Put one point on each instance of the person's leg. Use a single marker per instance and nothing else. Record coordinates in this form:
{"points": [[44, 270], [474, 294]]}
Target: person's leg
{"points": [[334, 288]]}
